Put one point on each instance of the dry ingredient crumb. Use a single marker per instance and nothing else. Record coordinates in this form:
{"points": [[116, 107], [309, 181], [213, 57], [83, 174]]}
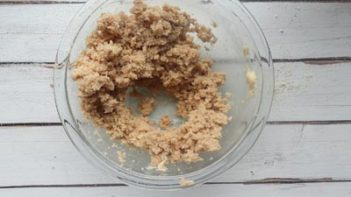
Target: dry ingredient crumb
{"points": [[121, 157], [165, 122], [161, 166], [246, 52], [114, 145], [147, 106], [251, 79], [186, 182], [214, 24], [97, 133], [228, 94], [149, 167], [153, 47]]}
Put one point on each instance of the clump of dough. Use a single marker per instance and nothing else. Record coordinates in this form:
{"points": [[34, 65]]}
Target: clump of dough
{"points": [[146, 106], [162, 166], [152, 47], [251, 79], [165, 122], [183, 182]]}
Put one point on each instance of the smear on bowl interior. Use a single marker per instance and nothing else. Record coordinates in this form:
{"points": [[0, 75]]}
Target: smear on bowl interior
{"points": [[153, 47], [184, 182]]}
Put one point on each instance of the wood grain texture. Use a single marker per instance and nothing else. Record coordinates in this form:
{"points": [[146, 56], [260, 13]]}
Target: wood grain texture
{"points": [[312, 92], [45, 156], [26, 94], [289, 190], [303, 92], [293, 30], [304, 30]]}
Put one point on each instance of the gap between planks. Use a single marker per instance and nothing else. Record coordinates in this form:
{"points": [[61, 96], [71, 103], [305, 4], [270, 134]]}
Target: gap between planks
{"points": [[256, 182]]}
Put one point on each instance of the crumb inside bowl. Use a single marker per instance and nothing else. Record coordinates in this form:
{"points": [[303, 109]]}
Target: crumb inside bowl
{"points": [[160, 93]]}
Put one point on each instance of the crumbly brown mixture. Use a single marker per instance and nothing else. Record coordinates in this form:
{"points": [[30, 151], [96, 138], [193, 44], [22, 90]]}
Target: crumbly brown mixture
{"points": [[152, 46], [146, 106], [165, 122]]}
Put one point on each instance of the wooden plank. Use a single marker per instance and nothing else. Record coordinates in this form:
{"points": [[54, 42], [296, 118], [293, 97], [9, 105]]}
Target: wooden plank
{"points": [[294, 30], [45, 156], [35, 34], [26, 95], [40, 1], [303, 93], [312, 92], [36, 19], [304, 30], [289, 190]]}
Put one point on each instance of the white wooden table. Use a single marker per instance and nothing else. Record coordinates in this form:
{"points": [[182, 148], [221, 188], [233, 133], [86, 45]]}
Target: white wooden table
{"points": [[305, 150]]}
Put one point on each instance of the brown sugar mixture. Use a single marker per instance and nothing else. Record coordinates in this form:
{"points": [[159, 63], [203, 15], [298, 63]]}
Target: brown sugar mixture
{"points": [[152, 47], [165, 121]]}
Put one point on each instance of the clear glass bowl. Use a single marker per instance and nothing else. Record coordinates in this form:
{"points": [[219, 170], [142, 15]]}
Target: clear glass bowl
{"points": [[236, 30]]}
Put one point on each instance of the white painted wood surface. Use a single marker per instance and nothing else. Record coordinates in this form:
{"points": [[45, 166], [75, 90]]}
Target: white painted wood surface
{"points": [[305, 148], [276, 190], [45, 156], [303, 92], [294, 30]]}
